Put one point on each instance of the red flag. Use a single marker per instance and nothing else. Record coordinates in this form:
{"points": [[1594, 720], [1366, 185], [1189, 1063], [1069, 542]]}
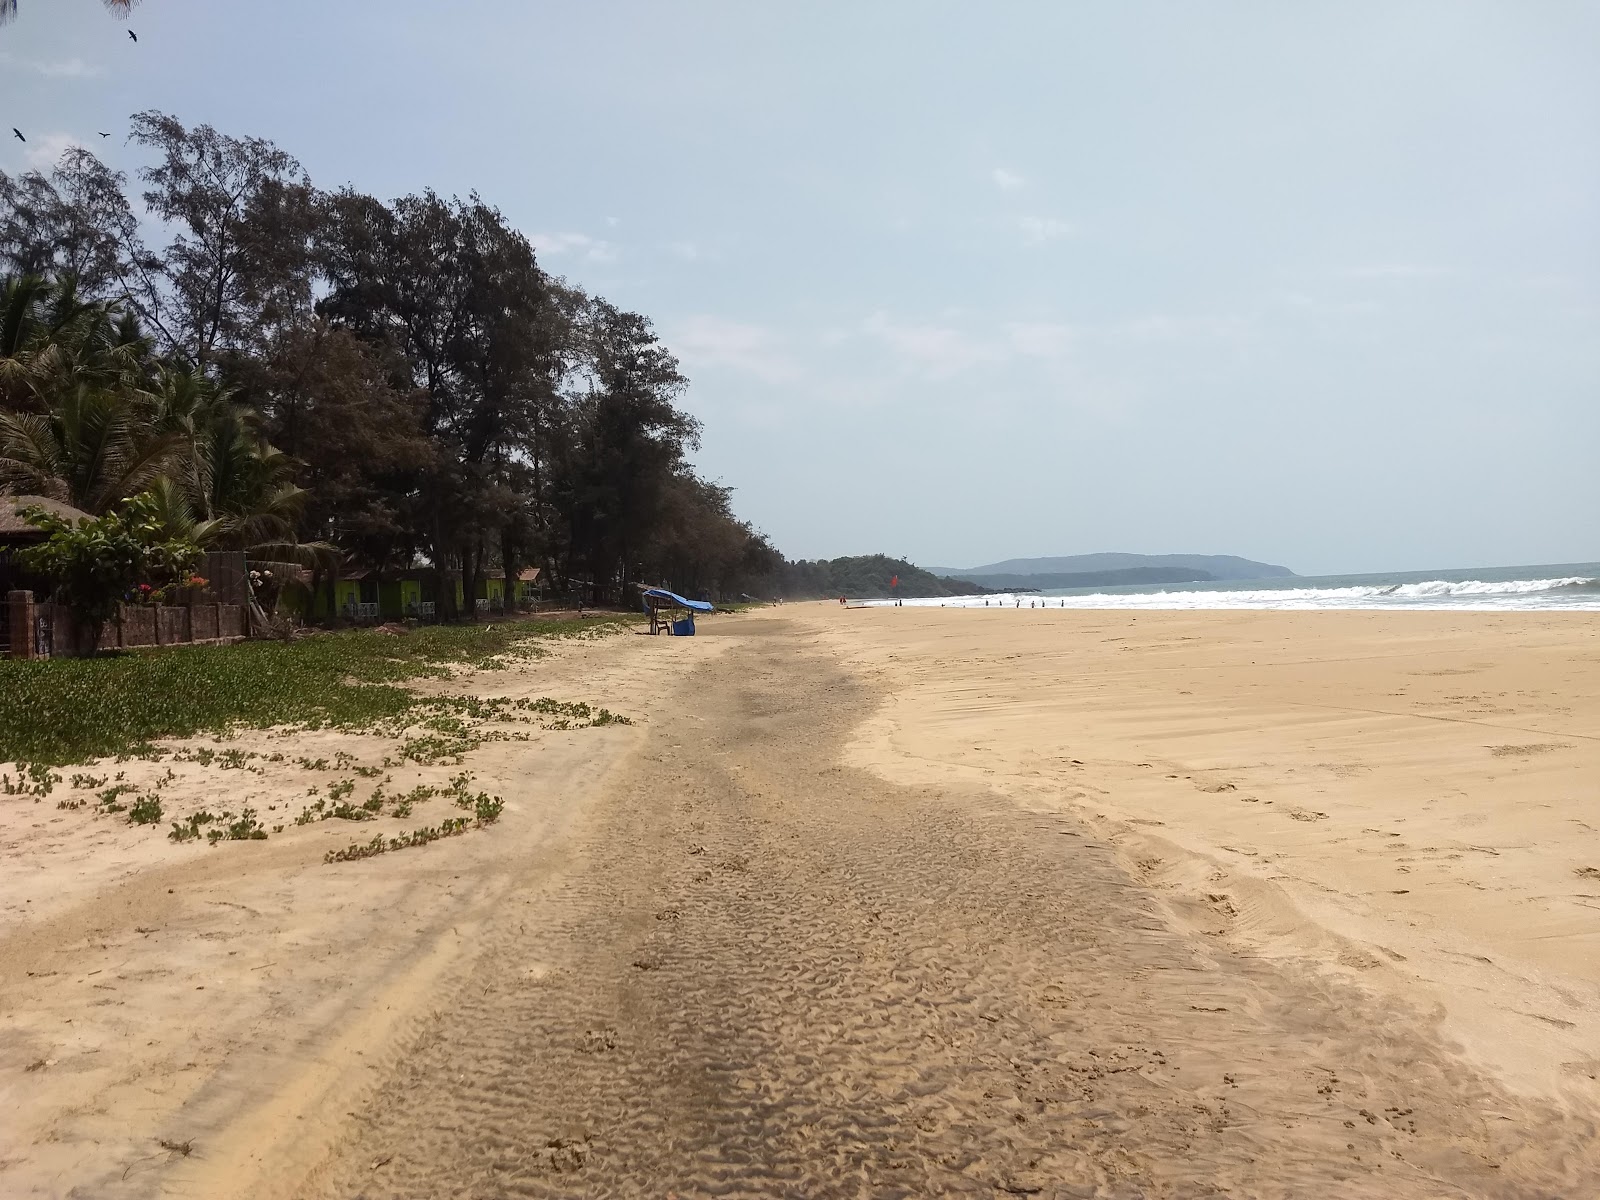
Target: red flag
{"points": [[894, 581]]}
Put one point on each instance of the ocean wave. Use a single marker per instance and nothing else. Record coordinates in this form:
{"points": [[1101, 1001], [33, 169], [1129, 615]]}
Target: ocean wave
{"points": [[1573, 591]]}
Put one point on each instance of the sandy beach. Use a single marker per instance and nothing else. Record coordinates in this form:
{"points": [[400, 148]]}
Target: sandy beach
{"points": [[1410, 796], [870, 903]]}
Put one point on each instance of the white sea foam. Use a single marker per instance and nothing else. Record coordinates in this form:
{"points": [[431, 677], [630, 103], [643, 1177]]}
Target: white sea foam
{"points": [[1570, 592]]}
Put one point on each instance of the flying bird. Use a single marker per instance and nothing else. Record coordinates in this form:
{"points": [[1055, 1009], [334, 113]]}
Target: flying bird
{"points": [[133, 35], [18, 132], [102, 134]]}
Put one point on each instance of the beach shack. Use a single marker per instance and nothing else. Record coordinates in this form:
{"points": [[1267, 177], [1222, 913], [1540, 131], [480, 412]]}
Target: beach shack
{"points": [[17, 533], [527, 585], [672, 613], [409, 593]]}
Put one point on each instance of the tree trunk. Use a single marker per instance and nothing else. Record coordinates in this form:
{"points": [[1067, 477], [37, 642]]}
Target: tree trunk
{"points": [[508, 559], [469, 590], [444, 600], [333, 595]]}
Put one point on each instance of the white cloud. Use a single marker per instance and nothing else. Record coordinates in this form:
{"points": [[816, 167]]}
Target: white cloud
{"points": [[1396, 271], [1167, 328], [1044, 229], [66, 68], [937, 351], [44, 150], [1042, 339], [687, 251], [555, 245], [710, 341], [1006, 181]]}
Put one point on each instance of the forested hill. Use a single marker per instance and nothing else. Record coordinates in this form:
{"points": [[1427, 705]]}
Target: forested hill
{"points": [[1127, 577], [866, 577]]}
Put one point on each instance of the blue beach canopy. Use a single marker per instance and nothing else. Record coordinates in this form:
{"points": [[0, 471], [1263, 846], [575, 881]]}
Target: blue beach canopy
{"points": [[663, 596]]}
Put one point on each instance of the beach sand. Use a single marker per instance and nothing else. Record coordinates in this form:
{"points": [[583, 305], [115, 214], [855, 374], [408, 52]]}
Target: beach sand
{"points": [[869, 903], [1414, 796]]}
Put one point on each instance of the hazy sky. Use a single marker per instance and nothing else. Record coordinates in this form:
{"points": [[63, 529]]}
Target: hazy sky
{"points": [[1317, 284]]}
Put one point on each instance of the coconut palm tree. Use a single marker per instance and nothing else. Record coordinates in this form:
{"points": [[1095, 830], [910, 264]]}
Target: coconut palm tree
{"points": [[8, 8], [22, 300], [93, 449], [52, 340], [236, 487]]}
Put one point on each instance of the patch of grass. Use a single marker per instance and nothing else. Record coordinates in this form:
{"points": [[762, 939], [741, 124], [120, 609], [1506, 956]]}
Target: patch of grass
{"points": [[69, 710], [146, 810]]}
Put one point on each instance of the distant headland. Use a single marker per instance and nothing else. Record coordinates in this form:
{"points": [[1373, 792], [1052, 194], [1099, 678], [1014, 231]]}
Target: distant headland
{"points": [[1112, 570], [879, 576]]}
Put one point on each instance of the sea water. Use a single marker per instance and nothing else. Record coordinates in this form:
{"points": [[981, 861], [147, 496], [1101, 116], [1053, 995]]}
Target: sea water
{"points": [[1490, 589]]}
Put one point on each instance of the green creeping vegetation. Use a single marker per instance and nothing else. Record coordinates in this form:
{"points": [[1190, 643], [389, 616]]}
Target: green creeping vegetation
{"points": [[33, 779], [245, 827], [108, 799], [63, 711], [381, 845], [485, 809]]}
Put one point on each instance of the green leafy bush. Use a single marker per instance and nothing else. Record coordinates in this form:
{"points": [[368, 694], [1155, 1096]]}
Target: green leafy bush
{"points": [[97, 562]]}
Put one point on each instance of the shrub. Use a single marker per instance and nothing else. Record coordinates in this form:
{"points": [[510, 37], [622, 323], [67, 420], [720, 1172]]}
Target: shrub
{"points": [[96, 562]]}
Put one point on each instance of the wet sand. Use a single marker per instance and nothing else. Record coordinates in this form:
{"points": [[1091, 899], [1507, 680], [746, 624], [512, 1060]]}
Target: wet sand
{"points": [[802, 931]]}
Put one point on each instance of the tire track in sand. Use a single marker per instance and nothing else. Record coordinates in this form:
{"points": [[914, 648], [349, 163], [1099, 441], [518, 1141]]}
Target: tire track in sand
{"points": [[770, 976]]}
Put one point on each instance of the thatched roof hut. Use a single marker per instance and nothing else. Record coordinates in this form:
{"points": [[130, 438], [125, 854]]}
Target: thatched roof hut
{"points": [[14, 528]]}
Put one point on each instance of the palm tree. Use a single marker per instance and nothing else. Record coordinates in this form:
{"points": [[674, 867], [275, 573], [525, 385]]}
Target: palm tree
{"points": [[22, 300], [93, 449], [8, 8], [229, 472], [51, 341]]}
